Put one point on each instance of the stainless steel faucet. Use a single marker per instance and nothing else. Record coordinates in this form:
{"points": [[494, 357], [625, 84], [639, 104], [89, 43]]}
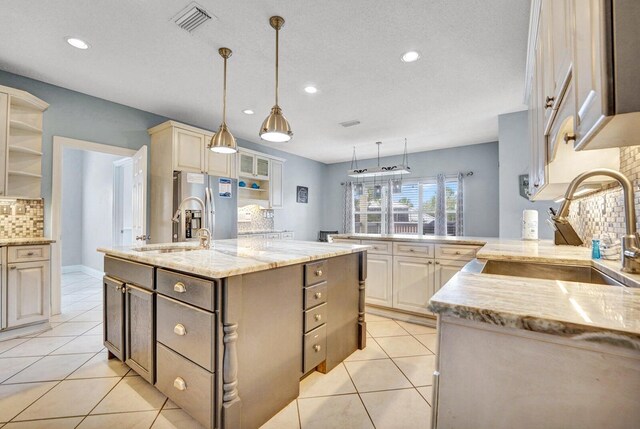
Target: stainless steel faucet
{"points": [[204, 233], [630, 241]]}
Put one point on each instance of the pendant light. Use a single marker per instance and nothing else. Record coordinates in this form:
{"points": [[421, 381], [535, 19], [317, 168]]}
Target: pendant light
{"points": [[223, 141], [276, 127]]}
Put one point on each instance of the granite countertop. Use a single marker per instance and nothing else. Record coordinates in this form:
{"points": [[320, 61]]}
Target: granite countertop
{"points": [[232, 257], [478, 241], [582, 311], [25, 241], [264, 231]]}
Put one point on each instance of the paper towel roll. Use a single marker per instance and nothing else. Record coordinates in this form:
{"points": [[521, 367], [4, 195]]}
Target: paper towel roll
{"points": [[530, 224]]}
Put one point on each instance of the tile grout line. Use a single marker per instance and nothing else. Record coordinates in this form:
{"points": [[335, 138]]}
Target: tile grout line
{"points": [[359, 397]]}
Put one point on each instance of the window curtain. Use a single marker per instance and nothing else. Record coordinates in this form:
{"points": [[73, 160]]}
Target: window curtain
{"points": [[441, 212], [347, 220], [459, 211], [389, 203]]}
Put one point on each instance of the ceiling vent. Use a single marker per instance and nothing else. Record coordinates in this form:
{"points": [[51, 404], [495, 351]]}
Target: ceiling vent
{"points": [[348, 124], [192, 17]]}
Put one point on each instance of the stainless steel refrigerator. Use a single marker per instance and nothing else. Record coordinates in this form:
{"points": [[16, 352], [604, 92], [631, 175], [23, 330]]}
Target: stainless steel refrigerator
{"points": [[219, 195]]}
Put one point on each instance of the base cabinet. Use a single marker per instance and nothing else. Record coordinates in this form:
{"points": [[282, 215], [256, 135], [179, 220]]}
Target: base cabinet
{"points": [[139, 332], [413, 282], [444, 270], [379, 289], [113, 322], [27, 293]]}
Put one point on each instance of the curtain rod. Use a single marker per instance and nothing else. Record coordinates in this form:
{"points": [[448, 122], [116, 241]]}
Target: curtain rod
{"points": [[418, 179]]}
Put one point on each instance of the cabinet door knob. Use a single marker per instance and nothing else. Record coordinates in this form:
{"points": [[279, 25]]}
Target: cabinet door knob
{"points": [[437, 263], [548, 102], [179, 383], [318, 273], [318, 295], [179, 329], [317, 348], [179, 287], [457, 252], [318, 317], [430, 262], [12, 267], [118, 288]]}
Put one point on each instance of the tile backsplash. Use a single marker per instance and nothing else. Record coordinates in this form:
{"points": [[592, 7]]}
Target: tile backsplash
{"points": [[603, 212], [21, 218], [254, 218]]}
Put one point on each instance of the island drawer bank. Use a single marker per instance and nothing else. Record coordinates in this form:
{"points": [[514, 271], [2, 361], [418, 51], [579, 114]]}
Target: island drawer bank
{"points": [[216, 344]]}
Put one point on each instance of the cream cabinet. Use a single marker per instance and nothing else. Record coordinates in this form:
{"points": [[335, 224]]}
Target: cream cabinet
{"points": [[554, 115], [379, 286], [186, 149], [445, 269], [20, 143], [276, 195], [28, 285], [413, 283], [606, 64], [253, 165]]}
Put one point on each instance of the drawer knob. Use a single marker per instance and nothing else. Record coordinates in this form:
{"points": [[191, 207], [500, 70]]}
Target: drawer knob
{"points": [[318, 273], [179, 383], [179, 287], [179, 329], [318, 295], [317, 348], [12, 267], [411, 250], [457, 252], [318, 317], [30, 253]]}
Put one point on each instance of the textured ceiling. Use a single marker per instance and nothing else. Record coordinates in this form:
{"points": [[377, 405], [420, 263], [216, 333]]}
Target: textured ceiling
{"points": [[471, 70]]}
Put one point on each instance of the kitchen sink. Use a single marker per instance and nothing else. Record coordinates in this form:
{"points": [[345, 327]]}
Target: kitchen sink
{"points": [[568, 273], [174, 249]]}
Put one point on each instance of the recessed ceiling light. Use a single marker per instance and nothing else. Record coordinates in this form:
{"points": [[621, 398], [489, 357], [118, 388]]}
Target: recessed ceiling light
{"points": [[411, 56], [310, 89], [248, 112], [77, 43]]}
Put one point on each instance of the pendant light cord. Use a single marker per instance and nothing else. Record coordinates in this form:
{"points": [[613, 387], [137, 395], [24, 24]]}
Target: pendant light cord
{"points": [[277, 33], [224, 95]]}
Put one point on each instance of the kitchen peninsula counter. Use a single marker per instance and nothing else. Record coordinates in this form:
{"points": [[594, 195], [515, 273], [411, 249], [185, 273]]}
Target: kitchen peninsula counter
{"points": [[216, 329]]}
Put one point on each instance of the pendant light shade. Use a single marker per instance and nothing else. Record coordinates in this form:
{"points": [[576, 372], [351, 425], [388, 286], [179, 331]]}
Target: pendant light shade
{"points": [[275, 127], [223, 141]]}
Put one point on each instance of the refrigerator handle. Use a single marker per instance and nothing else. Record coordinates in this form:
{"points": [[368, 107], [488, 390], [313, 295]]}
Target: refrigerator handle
{"points": [[209, 208]]}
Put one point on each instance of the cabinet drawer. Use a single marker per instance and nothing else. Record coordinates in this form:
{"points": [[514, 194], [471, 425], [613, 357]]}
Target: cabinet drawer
{"points": [[345, 240], [273, 236], [456, 252], [186, 384], [287, 235], [27, 253], [315, 272], [315, 295], [129, 272], [315, 348], [186, 330], [379, 247], [315, 317], [413, 249], [182, 287]]}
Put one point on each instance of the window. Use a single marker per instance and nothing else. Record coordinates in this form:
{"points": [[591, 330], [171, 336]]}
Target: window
{"points": [[369, 211], [413, 209]]}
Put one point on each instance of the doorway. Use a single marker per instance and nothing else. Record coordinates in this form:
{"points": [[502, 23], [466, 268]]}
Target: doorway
{"points": [[98, 200]]}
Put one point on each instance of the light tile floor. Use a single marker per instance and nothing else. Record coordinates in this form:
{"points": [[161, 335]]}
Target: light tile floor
{"points": [[62, 379]]}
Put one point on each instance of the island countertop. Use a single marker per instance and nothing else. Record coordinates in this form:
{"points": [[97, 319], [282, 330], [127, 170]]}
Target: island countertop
{"points": [[232, 257]]}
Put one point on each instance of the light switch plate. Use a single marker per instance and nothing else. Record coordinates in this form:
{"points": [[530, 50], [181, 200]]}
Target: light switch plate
{"points": [[20, 209]]}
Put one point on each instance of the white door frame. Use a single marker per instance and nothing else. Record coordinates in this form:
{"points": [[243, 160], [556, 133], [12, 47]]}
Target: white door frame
{"points": [[59, 144], [118, 198]]}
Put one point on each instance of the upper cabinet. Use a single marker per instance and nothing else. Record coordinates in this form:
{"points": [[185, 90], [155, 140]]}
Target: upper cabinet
{"points": [[260, 179], [20, 143], [606, 65], [187, 147], [554, 84]]}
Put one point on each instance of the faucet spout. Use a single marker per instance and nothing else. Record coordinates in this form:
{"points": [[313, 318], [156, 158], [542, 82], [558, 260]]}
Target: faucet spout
{"points": [[630, 247]]}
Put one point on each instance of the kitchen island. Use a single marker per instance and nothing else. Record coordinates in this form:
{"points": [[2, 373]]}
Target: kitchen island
{"points": [[519, 351], [228, 332]]}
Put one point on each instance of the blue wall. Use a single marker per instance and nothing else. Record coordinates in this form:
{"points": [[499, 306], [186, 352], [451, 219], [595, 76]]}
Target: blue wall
{"points": [[480, 190]]}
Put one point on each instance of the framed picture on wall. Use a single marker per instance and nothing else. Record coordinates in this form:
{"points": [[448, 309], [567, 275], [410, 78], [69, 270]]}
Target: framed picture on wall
{"points": [[302, 194]]}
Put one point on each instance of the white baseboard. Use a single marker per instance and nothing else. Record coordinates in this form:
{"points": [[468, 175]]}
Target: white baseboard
{"points": [[83, 269]]}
